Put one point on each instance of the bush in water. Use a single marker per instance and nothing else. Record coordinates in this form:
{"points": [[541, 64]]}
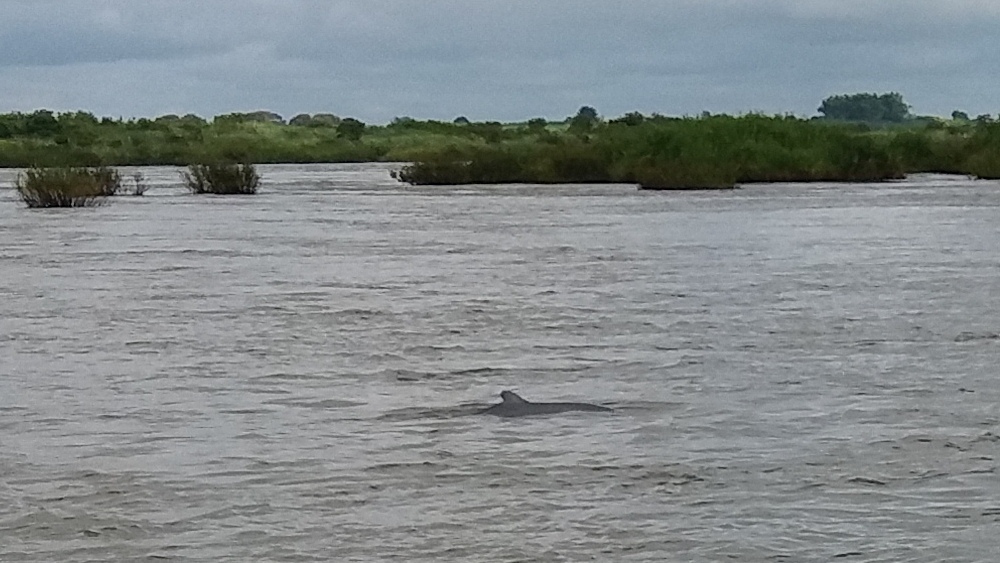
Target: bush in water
{"points": [[222, 178], [67, 186]]}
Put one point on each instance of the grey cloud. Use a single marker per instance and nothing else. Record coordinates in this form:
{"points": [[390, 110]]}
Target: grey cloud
{"points": [[502, 60]]}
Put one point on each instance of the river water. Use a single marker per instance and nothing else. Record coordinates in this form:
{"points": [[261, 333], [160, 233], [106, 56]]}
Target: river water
{"points": [[798, 372]]}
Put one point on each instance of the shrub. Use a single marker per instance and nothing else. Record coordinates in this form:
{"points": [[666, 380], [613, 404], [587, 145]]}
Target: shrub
{"points": [[222, 178], [109, 179], [984, 165], [351, 129], [67, 187], [139, 185]]}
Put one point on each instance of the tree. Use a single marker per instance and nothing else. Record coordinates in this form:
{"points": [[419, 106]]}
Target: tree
{"points": [[490, 131], [587, 113], [301, 120], [262, 116], [325, 120], [461, 120], [631, 119], [41, 123], [351, 129], [584, 120], [6, 128], [872, 108], [959, 115], [537, 124], [318, 120]]}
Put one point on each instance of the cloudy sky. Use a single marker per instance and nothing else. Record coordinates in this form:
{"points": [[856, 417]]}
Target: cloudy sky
{"points": [[493, 59]]}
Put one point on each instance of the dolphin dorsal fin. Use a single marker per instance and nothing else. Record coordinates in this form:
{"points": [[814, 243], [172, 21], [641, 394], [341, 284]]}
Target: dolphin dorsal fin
{"points": [[511, 397]]}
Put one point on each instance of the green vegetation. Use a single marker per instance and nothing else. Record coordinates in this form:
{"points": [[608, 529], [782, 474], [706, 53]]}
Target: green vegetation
{"points": [[43, 138], [677, 153], [860, 137], [222, 178], [871, 108], [67, 187]]}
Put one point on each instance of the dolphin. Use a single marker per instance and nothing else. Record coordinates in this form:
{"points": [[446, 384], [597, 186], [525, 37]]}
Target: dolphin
{"points": [[514, 405]]}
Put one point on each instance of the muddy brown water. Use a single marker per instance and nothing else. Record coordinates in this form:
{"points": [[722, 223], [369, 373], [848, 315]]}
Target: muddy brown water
{"points": [[799, 373]]}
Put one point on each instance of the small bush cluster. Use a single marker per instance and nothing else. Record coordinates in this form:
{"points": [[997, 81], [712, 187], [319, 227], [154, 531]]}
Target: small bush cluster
{"points": [[222, 178], [67, 187]]}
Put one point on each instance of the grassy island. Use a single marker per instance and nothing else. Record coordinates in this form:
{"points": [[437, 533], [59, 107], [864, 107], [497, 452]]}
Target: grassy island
{"points": [[707, 151]]}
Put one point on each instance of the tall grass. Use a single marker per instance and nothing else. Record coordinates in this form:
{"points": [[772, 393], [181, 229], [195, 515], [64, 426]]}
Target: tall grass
{"points": [[222, 178], [67, 186]]}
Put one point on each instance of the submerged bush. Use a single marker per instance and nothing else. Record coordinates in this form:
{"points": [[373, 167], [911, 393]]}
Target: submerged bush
{"points": [[109, 179], [139, 185], [222, 178], [67, 187]]}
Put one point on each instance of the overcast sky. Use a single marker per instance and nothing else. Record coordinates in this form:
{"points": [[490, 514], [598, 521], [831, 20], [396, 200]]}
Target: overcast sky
{"points": [[493, 59]]}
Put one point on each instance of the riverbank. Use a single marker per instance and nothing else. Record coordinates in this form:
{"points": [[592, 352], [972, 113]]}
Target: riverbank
{"points": [[653, 151]]}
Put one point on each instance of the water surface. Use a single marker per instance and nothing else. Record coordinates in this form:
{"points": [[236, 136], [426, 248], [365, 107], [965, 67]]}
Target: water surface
{"points": [[800, 373]]}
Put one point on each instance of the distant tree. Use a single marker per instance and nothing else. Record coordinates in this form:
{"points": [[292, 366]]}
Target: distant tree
{"points": [[318, 120], [325, 120], [461, 120], [80, 128], [984, 118], [872, 108], [631, 119], [265, 117], [262, 116], [537, 124], [959, 115], [584, 120], [78, 118], [41, 123], [402, 122], [588, 113], [351, 129], [490, 131], [301, 120], [145, 124]]}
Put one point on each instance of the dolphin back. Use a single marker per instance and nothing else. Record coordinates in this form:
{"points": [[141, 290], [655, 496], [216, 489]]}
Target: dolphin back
{"points": [[513, 405]]}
